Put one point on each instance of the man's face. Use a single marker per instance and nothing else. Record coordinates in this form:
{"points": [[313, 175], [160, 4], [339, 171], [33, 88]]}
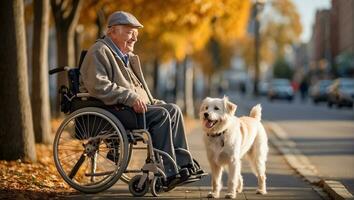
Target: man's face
{"points": [[124, 37]]}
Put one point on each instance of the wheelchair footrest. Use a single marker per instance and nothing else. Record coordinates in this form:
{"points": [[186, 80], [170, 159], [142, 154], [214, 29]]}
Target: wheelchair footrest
{"points": [[99, 174]]}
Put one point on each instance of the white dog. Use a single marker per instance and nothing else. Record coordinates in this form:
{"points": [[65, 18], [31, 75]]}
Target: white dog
{"points": [[228, 138]]}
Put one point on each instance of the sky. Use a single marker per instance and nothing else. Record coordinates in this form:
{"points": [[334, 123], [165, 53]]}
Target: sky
{"points": [[307, 10]]}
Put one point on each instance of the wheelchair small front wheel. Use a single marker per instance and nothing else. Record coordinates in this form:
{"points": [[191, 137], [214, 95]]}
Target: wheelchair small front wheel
{"points": [[134, 188], [156, 186]]}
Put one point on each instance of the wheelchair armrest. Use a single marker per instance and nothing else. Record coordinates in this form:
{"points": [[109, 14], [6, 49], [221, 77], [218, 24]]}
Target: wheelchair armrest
{"points": [[83, 95], [60, 69]]}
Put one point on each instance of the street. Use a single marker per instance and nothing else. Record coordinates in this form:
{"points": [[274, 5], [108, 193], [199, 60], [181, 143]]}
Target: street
{"points": [[324, 135]]}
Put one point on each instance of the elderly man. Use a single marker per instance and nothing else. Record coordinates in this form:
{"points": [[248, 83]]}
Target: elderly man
{"points": [[111, 73]]}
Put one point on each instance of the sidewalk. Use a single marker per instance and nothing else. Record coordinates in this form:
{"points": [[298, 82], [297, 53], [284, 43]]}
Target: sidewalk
{"points": [[323, 173], [282, 181]]}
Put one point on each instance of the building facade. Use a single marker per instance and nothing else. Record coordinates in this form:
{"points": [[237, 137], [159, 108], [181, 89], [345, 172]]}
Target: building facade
{"points": [[332, 40], [342, 36]]}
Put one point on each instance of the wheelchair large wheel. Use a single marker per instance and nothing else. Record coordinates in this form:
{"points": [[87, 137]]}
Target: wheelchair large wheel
{"points": [[125, 177], [91, 150]]}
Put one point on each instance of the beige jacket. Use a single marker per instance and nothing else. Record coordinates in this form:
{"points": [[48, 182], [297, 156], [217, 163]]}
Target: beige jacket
{"points": [[104, 76]]}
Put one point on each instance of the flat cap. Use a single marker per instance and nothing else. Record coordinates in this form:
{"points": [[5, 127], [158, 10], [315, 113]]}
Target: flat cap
{"points": [[123, 18]]}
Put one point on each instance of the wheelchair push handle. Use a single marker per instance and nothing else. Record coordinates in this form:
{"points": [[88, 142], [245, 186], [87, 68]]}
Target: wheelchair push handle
{"points": [[56, 70], [59, 69]]}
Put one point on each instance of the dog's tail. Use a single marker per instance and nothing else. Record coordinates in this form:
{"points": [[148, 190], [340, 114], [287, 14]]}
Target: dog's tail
{"points": [[256, 112]]}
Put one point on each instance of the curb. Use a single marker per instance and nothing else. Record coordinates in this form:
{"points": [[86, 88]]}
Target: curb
{"points": [[336, 190], [303, 166]]}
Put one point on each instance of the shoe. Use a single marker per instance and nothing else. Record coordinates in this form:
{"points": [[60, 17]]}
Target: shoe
{"points": [[193, 177], [170, 182], [193, 170], [175, 180], [197, 172]]}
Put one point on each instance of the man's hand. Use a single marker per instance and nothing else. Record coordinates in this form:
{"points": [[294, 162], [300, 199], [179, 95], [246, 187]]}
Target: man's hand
{"points": [[139, 106]]}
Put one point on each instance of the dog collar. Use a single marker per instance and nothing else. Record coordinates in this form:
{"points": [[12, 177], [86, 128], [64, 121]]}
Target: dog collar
{"points": [[216, 134]]}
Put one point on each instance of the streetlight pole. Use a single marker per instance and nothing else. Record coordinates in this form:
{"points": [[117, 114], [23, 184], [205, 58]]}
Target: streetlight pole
{"points": [[258, 6]]}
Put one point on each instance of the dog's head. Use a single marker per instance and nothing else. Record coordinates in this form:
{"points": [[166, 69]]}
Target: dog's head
{"points": [[214, 113]]}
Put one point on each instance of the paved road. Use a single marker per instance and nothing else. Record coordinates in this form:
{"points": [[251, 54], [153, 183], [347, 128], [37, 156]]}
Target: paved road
{"points": [[324, 135]]}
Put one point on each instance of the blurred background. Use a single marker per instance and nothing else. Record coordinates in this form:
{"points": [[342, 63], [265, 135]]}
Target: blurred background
{"points": [[280, 49]]}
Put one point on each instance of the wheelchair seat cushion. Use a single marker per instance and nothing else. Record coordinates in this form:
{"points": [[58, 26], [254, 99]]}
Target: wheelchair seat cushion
{"points": [[126, 115]]}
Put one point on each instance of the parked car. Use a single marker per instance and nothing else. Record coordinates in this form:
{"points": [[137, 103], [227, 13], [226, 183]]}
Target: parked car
{"points": [[341, 92], [280, 89], [318, 92], [263, 88]]}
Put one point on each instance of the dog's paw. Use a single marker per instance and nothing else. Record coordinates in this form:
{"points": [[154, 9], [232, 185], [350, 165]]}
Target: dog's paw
{"points": [[262, 192], [230, 196], [239, 189], [212, 195]]}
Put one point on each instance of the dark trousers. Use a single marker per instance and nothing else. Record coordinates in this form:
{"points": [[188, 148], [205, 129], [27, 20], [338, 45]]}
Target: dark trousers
{"points": [[165, 124]]}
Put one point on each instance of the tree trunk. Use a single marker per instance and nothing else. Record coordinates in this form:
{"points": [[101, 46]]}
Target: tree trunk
{"points": [[77, 44], [63, 57], [208, 87], [156, 91], [16, 129], [65, 16], [198, 94], [100, 22], [177, 66], [179, 82], [40, 86], [188, 89]]}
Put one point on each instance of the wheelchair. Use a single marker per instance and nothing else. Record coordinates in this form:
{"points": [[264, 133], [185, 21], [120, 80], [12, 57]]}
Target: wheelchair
{"points": [[93, 145]]}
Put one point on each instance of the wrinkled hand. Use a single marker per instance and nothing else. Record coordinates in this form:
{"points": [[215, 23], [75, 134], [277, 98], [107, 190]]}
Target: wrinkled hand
{"points": [[139, 106]]}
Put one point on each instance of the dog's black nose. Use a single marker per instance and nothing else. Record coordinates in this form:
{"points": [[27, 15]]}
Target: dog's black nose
{"points": [[206, 115]]}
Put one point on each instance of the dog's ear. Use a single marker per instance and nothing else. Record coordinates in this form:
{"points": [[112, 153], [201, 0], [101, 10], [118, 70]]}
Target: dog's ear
{"points": [[203, 103], [229, 106], [201, 106]]}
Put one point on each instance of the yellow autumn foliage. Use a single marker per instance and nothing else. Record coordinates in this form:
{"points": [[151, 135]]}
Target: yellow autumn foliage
{"points": [[280, 27], [174, 28]]}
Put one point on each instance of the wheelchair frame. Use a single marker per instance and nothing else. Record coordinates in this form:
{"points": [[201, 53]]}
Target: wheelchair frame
{"points": [[152, 171]]}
